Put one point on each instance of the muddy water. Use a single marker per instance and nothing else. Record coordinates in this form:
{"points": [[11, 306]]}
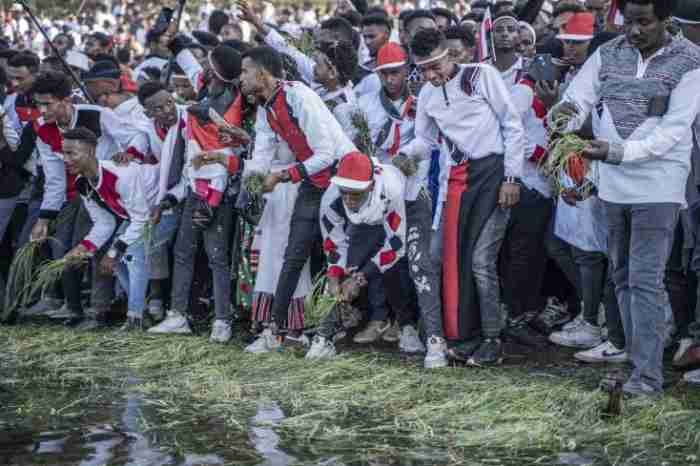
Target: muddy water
{"points": [[121, 427]]}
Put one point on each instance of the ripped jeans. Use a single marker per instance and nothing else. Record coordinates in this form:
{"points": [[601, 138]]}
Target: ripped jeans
{"points": [[422, 268]]}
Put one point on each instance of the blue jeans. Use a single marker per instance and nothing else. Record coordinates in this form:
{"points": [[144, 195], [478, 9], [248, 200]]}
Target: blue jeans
{"points": [[640, 240], [164, 236]]}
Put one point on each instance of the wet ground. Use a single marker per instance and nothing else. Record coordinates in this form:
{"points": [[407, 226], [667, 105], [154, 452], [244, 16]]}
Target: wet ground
{"points": [[111, 422]]}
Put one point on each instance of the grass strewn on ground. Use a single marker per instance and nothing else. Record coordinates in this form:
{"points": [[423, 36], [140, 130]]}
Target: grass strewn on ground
{"points": [[371, 406]]}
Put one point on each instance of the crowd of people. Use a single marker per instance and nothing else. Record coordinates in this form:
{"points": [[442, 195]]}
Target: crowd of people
{"points": [[386, 159]]}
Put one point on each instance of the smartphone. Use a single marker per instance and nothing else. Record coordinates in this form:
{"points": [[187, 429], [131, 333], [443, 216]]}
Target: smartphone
{"points": [[542, 68]]}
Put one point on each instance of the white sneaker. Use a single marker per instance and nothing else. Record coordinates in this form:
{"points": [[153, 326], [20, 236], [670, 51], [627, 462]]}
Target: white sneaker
{"points": [[156, 310], [692, 376], [220, 332], [683, 346], [605, 352], [584, 335], [174, 323], [409, 342], [437, 353], [266, 343], [574, 323], [321, 348]]}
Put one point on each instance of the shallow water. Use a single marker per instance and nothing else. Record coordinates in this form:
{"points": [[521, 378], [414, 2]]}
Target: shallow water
{"points": [[111, 422]]}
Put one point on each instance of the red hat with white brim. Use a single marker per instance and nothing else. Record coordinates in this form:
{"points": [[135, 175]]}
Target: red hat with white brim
{"points": [[390, 55], [355, 171], [579, 27]]}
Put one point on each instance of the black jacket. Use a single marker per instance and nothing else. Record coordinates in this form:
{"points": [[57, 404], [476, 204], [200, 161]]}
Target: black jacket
{"points": [[13, 176]]}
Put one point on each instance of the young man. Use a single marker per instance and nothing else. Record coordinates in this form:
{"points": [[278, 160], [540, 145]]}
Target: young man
{"points": [[644, 87], [118, 199], [461, 44], [364, 230], [376, 31], [483, 140], [506, 36], [391, 116], [207, 194], [291, 117], [52, 93]]}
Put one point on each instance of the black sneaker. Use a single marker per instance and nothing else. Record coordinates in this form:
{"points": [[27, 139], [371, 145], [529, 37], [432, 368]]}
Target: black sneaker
{"points": [[521, 332], [555, 314], [73, 318], [490, 352]]}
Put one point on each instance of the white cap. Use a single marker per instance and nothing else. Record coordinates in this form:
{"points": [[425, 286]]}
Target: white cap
{"points": [[77, 59]]}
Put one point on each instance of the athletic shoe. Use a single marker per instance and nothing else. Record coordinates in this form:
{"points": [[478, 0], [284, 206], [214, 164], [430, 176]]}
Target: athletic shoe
{"points": [[62, 313], [683, 345], [692, 376], [583, 335], [640, 389], [220, 331], [174, 322], [605, 352], [690, 358], [574, 323], [42, 307], [156, 310], [490, 352], [321, 348], [436, 356], [393, 334], [410, 341], [553, 315], [371, 333], [267, 342], [520, 331]]}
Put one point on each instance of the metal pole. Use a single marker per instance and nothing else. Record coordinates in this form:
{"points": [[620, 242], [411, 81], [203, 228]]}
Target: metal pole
{"points": [[181, 7], [68, 69]]}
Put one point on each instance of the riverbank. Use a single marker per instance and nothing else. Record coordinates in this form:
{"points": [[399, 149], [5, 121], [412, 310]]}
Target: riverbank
{"points": [[362, 408]]}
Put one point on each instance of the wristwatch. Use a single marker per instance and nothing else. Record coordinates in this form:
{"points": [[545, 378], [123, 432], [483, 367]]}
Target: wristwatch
{"points": [[511, 180], [112, 253]]}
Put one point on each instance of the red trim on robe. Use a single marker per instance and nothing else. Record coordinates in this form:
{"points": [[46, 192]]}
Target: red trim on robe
{"points": [[108, 193], [456, 185], [285, 126]]}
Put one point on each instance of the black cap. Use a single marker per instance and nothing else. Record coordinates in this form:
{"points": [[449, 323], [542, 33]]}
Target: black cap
{"points": [[687, 10], [102, 70], [228, 61], [207, 39]]}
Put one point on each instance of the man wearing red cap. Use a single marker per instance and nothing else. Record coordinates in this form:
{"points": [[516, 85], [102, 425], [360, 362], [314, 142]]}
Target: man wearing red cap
{"points": [[470, 107], [291, 118], [391, 114], [363, 221]]}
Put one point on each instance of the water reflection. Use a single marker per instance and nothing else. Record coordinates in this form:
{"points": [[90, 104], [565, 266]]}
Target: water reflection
{"points": [[263, 437]]}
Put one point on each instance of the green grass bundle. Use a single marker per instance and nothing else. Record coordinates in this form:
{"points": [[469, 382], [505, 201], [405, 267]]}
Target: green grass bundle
{"points": [[19, 278], [51, 272], [318, 302], [254, 183], [363, 138]]}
